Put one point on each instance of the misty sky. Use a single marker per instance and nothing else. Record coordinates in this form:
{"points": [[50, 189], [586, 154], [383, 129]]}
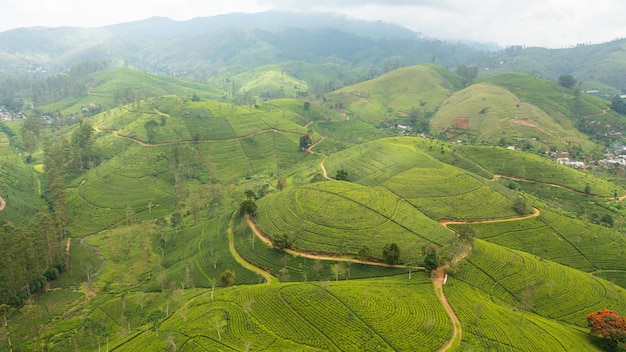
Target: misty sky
{"points": [[548, 23]]}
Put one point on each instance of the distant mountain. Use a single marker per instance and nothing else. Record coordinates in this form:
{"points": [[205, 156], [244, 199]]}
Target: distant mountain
{"points": [[234, 43], [160, 27], [223, 46]]}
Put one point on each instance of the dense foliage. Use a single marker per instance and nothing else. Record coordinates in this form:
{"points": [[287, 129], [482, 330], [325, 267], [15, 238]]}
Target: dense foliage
{"points": [[609, 326], [31, 256]]}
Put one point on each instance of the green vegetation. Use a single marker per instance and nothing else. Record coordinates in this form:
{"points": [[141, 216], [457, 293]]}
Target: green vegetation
{"points": [[390, 98], [486, 113], [146, 206], [535, 168], [352, 216]]}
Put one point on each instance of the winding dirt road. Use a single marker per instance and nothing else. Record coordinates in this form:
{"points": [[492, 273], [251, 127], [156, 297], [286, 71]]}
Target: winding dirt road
{"points": [[2, 204], [340, 258], [268, 276]]}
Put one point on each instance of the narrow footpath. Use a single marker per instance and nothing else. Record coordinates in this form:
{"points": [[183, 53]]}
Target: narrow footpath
{"points": [[339, 258], [269, 277], [2, 204]]}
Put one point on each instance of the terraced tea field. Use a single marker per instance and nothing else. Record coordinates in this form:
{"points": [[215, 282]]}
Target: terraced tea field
{"points": [[352, 216], [577, 244], [543, 287], [288, 317], [535, 168]]}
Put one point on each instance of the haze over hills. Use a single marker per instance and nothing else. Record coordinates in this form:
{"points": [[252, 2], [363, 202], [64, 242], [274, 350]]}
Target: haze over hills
{"points": [[229, 44]]}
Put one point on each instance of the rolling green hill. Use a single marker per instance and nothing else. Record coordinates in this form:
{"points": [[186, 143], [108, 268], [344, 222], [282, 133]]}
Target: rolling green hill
{"points": [[117, 87], [393, 95], [488, 114], [342, 217], [438, 190], [522, 288]]}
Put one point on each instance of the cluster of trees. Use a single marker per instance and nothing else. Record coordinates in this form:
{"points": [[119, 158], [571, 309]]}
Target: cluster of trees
{"points": [[64, 159], [44, 88], [618, 105], [419, 122], [30, 132], [30, 257]]}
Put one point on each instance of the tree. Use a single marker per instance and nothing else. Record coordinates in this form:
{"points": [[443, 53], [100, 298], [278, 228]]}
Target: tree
{"points": [[431, 259], [175, 220], [307, 105], [281, 183], [419, 123], [466, 233], [588, 189], [30, 142], [281, 240], [338, 269], [606, 220], [342, 175], [227, 278], [520, 205], [467, 72], [608, 326], [391, 253], [155, 318], [365, 252], [151, 127], [248, 206], [567, 81], [82, 144], [618, 105], [250, 194], [305, 141]]}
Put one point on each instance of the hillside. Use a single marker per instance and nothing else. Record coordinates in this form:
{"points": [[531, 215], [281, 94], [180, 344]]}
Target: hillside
{"points": [[422, 245], [393, 95], [104, 90], [488, 114]]}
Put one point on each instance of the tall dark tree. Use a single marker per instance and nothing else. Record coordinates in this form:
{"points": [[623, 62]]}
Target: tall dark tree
{"points": [[618, 105], [82, 144], [431, 258], [567, 81], [305, 141], [248, 206], [342, 175], [391, 253], [227, 278]]}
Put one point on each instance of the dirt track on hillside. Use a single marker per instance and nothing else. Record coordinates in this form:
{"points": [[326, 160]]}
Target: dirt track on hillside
{"points": [[339, 258], [2, 204]]}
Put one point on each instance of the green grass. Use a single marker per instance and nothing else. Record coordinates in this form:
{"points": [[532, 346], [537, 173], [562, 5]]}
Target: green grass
{"points": [[547, 95], [115, 87], [19, 185], [404, 166], [372, 163], [340, 217]]}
